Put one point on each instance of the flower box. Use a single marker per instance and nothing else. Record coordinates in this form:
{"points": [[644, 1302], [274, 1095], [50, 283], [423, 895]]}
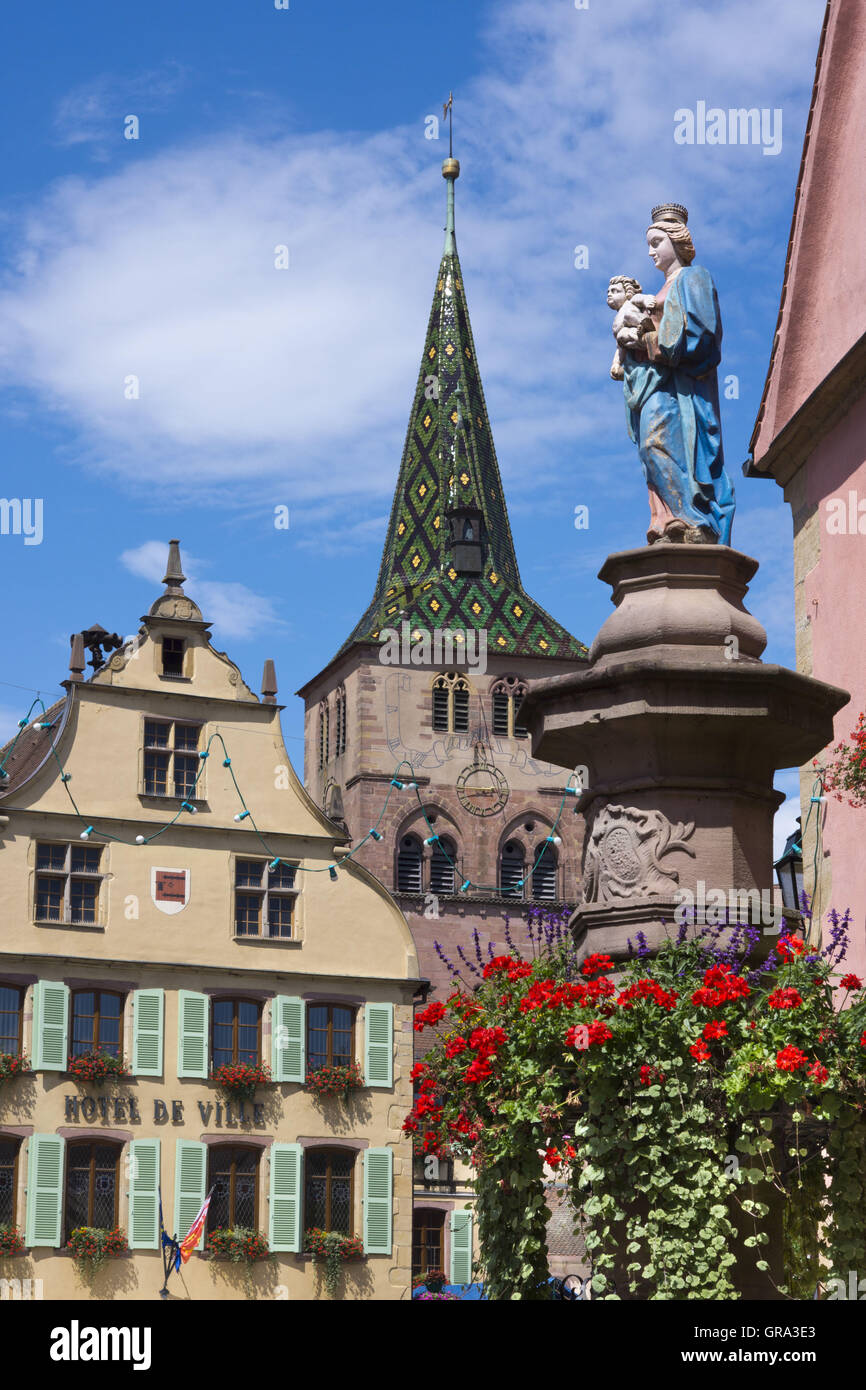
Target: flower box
{"points": [[11, 1242], [335, 1081], [239, 1080], [13, 1064], [91, 1246], [239, 1244], [96, 1067], [334, 1249]]}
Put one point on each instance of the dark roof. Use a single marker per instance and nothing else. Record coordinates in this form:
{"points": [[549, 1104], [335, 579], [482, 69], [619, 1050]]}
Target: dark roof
{"points": [[29, 749]]}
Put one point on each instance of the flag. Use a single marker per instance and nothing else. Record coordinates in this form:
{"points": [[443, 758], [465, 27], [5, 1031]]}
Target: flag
{"points": [[193, 1235], [167, 1243], [447, 105]]}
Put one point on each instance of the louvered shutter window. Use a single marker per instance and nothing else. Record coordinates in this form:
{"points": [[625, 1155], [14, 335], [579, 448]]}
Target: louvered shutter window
{"points": [[442, 863], [409, 865], [511, 870]]}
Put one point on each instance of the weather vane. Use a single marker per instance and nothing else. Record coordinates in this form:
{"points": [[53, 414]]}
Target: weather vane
{"points": [[446, 111]]}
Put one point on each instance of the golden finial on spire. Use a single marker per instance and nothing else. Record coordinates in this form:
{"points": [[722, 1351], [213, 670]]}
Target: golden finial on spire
{"points": [[451, 166]]}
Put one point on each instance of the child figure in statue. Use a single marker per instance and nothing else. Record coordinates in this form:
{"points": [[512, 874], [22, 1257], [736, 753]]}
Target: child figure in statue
{"points": [[633, 317]]}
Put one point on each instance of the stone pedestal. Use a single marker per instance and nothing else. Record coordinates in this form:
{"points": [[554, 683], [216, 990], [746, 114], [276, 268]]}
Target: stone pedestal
{"points": [[681, 728]]}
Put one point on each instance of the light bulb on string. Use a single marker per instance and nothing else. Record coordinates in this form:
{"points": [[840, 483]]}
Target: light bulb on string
{"points": [[241, 815]]}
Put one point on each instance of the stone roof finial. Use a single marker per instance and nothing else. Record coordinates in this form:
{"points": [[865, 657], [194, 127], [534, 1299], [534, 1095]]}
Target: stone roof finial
{"points": [[174, 603], [174, 576], [76, 657], [269, 683]]}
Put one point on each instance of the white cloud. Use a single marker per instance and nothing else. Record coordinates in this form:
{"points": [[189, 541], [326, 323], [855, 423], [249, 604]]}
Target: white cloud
{"points": [[94, 112], [165, 271], [235, 611]]}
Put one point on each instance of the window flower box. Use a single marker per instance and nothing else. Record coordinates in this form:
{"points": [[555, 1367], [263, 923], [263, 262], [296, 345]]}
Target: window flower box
{"points": [[239, 1080], [238, 1244], [335, 1081], [334, 1249], [11, 1242], [97, 1067], [91, 1246], [13, 1064]]}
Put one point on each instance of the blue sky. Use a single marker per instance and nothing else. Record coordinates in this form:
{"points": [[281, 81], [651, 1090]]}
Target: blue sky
{"points": [[260, 387]]}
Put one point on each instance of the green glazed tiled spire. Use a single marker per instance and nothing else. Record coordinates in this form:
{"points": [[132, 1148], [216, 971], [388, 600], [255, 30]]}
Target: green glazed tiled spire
{"points": [[449, 462]]}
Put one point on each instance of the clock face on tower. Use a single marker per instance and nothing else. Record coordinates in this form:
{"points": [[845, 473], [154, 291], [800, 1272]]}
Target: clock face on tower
{"points": [[481, 788]]}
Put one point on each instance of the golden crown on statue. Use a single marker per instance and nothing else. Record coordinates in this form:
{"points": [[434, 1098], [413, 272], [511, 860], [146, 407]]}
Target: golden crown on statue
{"points": [[670, 212]]}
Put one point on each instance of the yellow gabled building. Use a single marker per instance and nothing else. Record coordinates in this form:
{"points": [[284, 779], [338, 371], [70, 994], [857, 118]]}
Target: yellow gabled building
{"points": [[172, 899]]}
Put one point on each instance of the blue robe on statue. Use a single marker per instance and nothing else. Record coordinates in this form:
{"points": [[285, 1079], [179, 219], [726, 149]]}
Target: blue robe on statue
{"points": [[672, 406]]}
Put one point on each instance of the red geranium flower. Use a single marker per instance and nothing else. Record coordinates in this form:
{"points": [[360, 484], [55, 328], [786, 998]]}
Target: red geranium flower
{"points": [[790, 946], [818, 1073], [434, 1013], [596, 964], [851, 982], [790, 1059], [715, 1030], [789, 998], [700, 1051]]}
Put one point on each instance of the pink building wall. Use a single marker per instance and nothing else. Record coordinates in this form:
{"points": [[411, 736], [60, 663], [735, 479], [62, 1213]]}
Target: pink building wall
{"points": [[835, 601]]}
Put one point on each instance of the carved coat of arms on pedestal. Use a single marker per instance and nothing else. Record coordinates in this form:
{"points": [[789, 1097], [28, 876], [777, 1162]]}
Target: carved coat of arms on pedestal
{"points": [[623, 850]]}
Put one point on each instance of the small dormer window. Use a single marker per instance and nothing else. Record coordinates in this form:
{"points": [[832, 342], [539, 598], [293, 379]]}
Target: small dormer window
{"points": [[172, 656]]}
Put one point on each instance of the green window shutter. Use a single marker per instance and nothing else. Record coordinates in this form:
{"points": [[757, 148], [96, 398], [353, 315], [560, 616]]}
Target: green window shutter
{"points": [[379, 1045], [190, 1175], [288, 1044], [378, 1188], [287, 1173], [148, 1011], [192, 1025], [45, 1167], [50, 1025], [144, 1194], [460, 1263]]}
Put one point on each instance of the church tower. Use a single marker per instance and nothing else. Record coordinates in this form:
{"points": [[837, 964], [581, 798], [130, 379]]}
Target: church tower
{"points": [[432, 677]]}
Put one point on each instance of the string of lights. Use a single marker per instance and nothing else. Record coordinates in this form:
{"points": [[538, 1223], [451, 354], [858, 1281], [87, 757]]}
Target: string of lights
{"points": [[188, 807]]}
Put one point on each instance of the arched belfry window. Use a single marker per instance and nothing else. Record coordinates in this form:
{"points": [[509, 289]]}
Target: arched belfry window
{"points": [[409, 864], [451, 704], [443, 860], [507, 695], [544, 873], [324, 719], [512, 866], [340, 721]]}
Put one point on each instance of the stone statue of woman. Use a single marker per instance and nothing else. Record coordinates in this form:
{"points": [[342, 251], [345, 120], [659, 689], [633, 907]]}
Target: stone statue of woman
{"points": [[671, 388]]}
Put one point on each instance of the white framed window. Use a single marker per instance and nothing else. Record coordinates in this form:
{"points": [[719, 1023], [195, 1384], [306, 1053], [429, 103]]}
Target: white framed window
{"points": [[68, 883], [265, 899], [171, 763]]}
